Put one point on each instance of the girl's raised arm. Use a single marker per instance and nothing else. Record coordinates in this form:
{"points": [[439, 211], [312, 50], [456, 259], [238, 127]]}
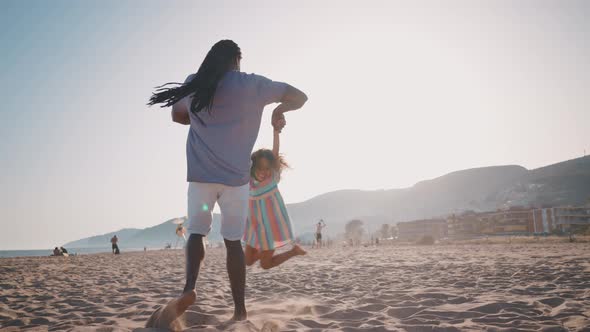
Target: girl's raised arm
{"points": [[276, 143]]}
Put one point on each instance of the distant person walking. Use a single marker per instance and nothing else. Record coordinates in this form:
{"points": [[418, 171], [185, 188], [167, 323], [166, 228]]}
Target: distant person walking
{"points": [[114, 245], [180, 234], [318, 232], [223, 107]]}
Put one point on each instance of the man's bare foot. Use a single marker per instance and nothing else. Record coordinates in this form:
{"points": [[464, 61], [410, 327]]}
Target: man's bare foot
{"points": [[186, 300], [167, 317], [240, 315], [298, 251]]}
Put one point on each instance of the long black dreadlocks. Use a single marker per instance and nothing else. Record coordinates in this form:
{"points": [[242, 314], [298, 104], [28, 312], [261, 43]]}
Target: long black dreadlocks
{"points": [[222, 58]]}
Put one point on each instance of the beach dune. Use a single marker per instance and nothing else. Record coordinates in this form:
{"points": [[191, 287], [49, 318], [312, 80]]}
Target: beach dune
{"points": [[500, 287]]}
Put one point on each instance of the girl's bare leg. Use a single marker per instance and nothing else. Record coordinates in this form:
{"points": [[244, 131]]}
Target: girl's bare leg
{"points": [[268, 261], [252, 255]]}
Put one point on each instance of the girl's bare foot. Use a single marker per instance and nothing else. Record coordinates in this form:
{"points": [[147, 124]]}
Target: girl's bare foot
{"points": [[298, 251]]}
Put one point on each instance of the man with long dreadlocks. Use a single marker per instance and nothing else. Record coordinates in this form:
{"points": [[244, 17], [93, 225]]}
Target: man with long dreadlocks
{"points": [[223, 107]]}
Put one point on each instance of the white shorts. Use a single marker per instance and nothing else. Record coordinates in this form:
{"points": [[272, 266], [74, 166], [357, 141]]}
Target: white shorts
{"points": [[233, 203]]}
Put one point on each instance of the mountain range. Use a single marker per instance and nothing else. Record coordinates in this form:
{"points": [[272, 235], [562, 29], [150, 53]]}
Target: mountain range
{"points": [[477, 189]]}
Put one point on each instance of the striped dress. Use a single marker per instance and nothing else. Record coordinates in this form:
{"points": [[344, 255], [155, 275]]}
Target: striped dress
{"points": [[268, 226]]}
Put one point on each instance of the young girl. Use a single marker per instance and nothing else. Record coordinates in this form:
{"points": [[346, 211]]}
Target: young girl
{"points": [[268, 226]]}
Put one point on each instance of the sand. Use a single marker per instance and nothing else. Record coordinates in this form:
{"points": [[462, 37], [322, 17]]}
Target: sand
{"points": [[516, 287]]}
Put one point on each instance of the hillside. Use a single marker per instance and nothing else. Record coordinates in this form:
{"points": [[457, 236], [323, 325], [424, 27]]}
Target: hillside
{"points": [[478, 189], [103, 240], [152, 237]]}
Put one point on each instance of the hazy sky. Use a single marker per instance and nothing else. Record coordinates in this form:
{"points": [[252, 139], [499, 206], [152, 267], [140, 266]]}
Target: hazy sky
{"points": [[398, 92]]}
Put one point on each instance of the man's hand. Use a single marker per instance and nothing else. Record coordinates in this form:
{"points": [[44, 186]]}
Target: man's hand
{"points": [[278, 119]]}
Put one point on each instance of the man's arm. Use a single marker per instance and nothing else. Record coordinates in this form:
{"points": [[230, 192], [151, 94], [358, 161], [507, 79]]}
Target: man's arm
{"points": [[180, 113], [293, 99], [180, 109]]}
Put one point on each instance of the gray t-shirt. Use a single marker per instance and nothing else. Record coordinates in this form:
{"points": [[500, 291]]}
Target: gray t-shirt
{"points": [[220, 151]]}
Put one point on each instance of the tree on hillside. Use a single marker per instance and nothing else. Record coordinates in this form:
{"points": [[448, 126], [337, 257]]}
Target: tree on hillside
{"points": [[354, 230]]}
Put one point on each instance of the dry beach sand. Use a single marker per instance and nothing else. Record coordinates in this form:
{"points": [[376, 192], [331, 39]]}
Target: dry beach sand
{"points": [[506, 287]]}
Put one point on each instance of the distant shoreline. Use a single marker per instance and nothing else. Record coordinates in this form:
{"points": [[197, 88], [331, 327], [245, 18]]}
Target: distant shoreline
{"points": [[77, 251], [491, 240]]}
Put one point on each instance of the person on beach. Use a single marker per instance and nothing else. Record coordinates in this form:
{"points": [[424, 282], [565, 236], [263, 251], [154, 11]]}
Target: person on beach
{"points": [[180, 234], [223, 107], [57, 252], [114, 245], [318, 233], [268, 226]]}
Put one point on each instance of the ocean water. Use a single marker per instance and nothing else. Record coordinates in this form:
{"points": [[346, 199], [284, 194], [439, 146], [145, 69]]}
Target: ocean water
{"points": [[47, 252]]}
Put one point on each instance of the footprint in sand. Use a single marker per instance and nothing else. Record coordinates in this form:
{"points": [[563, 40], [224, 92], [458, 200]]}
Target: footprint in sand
{"points": [[270, 327]]}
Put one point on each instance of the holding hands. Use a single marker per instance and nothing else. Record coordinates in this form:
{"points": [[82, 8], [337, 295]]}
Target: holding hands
{"points": [[292, 99], [278, 120]]}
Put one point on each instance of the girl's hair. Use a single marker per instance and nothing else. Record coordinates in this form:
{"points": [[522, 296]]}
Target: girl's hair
{"points": [[278, 164], [222, 58]]}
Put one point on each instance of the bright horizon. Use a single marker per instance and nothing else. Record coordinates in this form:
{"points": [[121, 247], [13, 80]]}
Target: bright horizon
{"points": [[398, 93]]}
